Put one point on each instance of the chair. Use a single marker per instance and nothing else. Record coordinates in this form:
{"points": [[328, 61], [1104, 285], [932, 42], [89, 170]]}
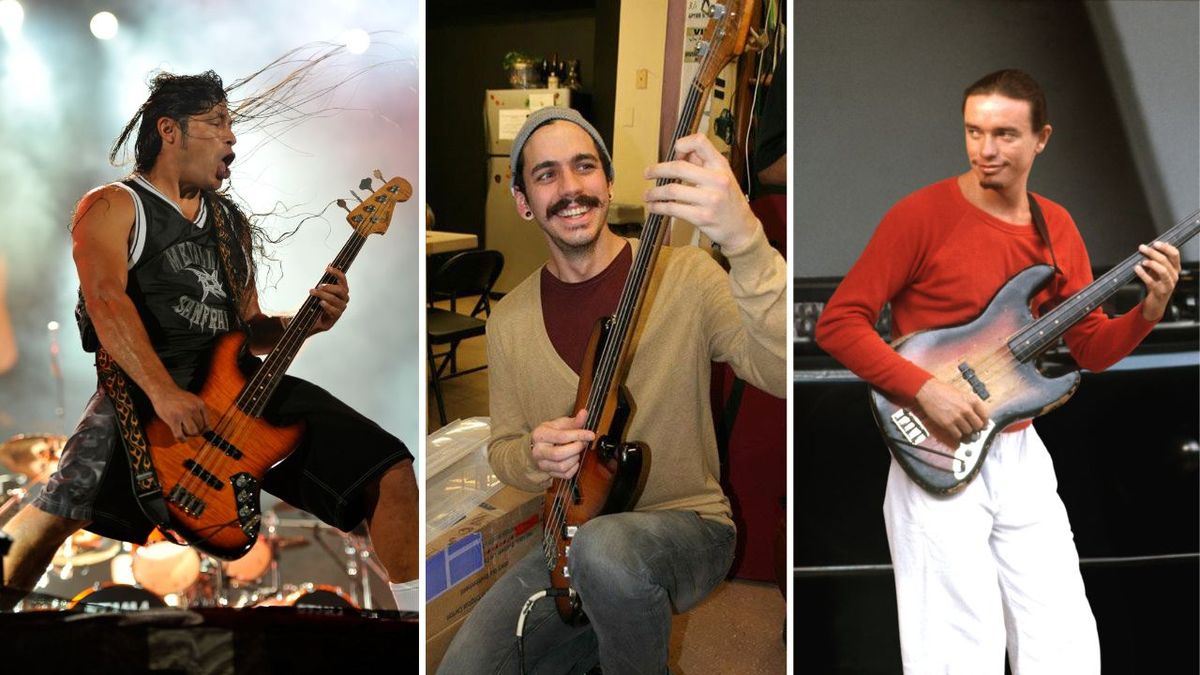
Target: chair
{"points": [[466, 273]]}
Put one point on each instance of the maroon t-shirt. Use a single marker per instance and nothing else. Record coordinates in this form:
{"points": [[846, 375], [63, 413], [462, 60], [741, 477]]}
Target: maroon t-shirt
{"points": [[570, 311]]}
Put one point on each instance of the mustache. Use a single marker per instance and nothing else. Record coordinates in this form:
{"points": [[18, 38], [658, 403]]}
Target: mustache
{"points": [[561, 205]]}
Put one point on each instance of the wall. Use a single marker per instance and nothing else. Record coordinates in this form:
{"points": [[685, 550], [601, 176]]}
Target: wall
{"points": [[1152, 58], [878, 90], [636, 121]]}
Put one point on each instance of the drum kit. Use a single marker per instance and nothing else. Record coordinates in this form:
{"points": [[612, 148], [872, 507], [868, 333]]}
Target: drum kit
{"points": [[118, 576]]}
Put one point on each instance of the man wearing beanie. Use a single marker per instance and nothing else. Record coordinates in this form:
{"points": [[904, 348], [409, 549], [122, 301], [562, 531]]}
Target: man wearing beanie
{"points": [[631, 570]]}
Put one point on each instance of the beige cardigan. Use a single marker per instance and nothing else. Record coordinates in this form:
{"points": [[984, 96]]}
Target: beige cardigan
{"points": [[696, 313]]}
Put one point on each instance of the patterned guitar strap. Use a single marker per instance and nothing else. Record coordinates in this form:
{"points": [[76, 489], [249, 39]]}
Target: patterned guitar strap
{"points": [[146, 485], [145, 479]]}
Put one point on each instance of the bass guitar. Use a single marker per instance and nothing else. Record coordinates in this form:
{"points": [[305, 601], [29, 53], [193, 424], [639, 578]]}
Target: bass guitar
{"points": [[993, 357], [211, 482], [610, 468]]}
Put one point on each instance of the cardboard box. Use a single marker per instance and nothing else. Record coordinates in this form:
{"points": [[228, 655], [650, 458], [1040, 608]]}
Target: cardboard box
{"points": [[464, 562]]}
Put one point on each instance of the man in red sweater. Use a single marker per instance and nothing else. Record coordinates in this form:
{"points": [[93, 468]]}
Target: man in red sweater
{"points": [[995, 564]]}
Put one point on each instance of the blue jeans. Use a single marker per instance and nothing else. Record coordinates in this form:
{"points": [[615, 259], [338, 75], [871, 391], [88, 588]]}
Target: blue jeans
{"points": [[630, 570]]}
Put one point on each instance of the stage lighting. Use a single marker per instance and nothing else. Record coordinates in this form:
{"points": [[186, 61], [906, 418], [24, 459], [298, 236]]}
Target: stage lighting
{"points": [[12, 15], [26, 74], [104, 25], [356, 40]]}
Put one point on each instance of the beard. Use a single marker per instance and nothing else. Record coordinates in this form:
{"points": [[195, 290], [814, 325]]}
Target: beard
{"points": [[579, 248], [573, 249]]}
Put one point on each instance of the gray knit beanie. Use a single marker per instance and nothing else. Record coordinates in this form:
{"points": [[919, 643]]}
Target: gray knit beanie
{"points": [[544, 116]]}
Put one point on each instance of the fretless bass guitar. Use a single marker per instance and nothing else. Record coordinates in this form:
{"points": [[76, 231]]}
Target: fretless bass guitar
{"points": [[609, 467], [993, 357], [211, 482]]}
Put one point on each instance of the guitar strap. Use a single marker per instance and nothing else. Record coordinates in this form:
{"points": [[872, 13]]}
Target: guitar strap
{"points": [[237, 286], [145, 479], [1039, 222]]}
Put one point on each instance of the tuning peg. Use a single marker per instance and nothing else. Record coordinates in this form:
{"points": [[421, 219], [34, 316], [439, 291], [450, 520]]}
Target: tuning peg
{"points": [[378, 174], [365, 184], [757, 41], [342, 203]]}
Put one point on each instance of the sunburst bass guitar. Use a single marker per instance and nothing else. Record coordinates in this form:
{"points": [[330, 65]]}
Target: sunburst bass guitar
{"points": [[211, 482], [609, 467], [993, 357]]}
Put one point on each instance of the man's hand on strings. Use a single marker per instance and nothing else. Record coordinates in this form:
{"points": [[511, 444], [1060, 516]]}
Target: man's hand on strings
{"points": [[556, 445], [955, 413], [707, 194], [184, 412]]}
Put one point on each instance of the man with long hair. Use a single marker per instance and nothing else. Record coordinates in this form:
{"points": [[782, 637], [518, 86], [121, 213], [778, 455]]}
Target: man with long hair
{"points": [[166, 266]]}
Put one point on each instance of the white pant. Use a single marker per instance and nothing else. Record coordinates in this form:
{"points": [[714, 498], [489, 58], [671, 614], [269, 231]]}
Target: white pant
{"points": [[992, 566]]}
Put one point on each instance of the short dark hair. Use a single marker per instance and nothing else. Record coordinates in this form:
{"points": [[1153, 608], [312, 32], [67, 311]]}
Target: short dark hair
{"points": [[519, 169], [173, 96], [1014, 84]]}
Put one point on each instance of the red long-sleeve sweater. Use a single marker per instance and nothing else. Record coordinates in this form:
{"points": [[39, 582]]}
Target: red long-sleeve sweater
{"points": [[939, 260]]}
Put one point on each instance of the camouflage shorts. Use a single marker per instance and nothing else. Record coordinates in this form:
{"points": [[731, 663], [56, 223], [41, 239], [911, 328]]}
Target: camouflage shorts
{"points": [[72, 491]]}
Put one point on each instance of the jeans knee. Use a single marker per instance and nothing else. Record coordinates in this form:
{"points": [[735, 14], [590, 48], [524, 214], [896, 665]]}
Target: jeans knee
{"points": [[606, 558]]}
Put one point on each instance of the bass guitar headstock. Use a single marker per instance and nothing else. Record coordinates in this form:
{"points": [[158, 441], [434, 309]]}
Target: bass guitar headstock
{"points": [[725, 37], [374, 214]]}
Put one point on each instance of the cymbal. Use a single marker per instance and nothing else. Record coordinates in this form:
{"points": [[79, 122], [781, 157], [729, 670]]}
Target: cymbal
{"points": [[84, 548], [32, 455]]}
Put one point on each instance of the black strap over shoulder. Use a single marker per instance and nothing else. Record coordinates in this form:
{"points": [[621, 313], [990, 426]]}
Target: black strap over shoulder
{"points": [[1039, 222]]}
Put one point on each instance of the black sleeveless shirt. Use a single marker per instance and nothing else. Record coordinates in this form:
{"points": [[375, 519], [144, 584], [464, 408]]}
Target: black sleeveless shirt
{"points": [[176, 282]]}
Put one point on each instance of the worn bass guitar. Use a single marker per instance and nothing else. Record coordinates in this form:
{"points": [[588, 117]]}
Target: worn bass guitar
{"points": [[993, 357], [609, 467], [211, 482]]}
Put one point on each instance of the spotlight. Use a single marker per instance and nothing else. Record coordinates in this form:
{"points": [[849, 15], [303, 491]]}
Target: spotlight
{"points": [[356, 40], [12, 15], [104, 25]]}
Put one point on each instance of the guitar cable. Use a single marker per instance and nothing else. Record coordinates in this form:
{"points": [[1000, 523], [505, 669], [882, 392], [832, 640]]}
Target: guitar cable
{"points": [[549, 592]]}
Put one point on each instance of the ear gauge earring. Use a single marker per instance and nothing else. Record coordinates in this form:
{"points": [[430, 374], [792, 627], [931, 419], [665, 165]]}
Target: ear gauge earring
{"points": [[528, 214]]}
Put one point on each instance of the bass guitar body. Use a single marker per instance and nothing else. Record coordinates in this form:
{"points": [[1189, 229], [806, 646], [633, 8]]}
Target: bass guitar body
{"points": [[211, 482], [974, 357], [607, 480]]}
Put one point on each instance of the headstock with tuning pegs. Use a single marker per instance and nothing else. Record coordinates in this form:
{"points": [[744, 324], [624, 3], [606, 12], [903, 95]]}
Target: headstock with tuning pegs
{"points": [[374, 214]]}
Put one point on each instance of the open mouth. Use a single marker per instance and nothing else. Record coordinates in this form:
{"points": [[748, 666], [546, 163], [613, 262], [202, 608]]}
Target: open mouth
{"points": [[573, 208], [224, 172]]}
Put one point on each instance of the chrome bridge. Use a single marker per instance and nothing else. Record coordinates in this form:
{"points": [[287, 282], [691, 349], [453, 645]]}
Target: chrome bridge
{"points": [[245, 493]]}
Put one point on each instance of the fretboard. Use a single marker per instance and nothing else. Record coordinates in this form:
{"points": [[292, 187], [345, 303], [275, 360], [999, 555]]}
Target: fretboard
{"points": [[624, 320], [258, 390], [1043, 332]]}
